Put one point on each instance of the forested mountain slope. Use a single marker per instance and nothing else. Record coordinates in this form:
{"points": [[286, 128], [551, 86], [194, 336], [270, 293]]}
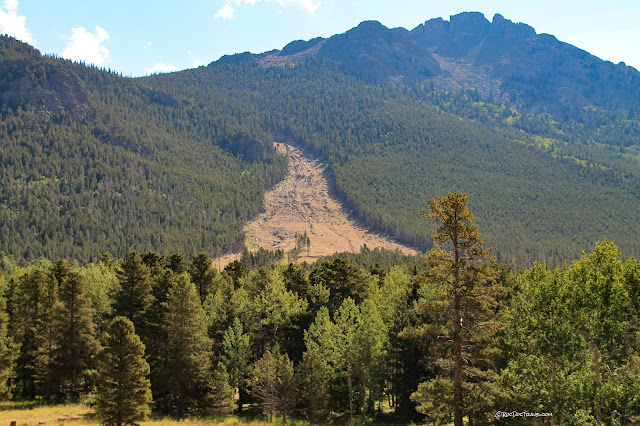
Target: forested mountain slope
{"points": [[178, 162], [389, 151], [91, 161]]}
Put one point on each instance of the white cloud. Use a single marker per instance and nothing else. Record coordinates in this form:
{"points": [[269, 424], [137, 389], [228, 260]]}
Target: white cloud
{"points": [[197, 63], [160, 68], [87, 47], [227, 11], [148, 44], [307, 5], [12, 24]]}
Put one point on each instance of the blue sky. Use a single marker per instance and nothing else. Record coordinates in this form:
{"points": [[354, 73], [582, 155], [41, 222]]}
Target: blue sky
{"points": [[138, 37]]}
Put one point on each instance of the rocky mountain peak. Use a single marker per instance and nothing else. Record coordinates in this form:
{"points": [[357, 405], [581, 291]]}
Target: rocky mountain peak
{"points": [[505, 28], [501, 59], [469, 24]]}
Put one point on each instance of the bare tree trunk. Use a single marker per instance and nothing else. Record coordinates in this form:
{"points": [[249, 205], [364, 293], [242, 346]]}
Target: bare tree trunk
{"points": [[457, 380], [457, 338]]}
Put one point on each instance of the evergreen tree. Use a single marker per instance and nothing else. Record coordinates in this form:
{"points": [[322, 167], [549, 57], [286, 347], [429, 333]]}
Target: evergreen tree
{"points": [[123, 392], [47, 380], [155, 337], [177, 264], [342, 280], [273, 383], [236, 355], [154, 261], [222, 392], [202, 274], [459, 288], [188, 366], [312, 381], [276, 308], [26, 309], [74, 335], [8, 353], [134, 294], [236, 270]]}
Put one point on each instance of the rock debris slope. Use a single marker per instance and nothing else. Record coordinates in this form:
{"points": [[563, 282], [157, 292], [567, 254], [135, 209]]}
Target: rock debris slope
{"points": [[301, 203]]}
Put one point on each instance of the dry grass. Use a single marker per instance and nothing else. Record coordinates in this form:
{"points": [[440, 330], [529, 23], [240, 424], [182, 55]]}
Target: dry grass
{"points": [[30, 413], [26, 413]]}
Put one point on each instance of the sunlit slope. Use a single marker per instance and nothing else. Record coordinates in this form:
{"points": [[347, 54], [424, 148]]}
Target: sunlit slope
{"points": [[388, 152], [93, 162]]}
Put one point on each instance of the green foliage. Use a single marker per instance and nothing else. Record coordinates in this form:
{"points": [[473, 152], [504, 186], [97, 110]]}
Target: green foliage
{"points": [[202, 274], [370, 342], [572, 334], [562, 341], [312, 382], [132, 156], [155, 332], [222, 392], [47, 337], [385, 259], [8, 352], [75, 343], [459, 288], [26, 308], [123, 391], [261, 257], [101, 283], [188, 349], [161, 150], [274, 385], [134, 291], [275, 307], [236, 355], [341, 280], [350, 350]]}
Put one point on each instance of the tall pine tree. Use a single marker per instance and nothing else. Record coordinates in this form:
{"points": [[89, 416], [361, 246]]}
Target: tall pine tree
{"points": [[123, 391], [74, 330], [26, 305], [202, 274], [188, 351], [8, 352], [459, 287], [46, 338], [134, 295]]}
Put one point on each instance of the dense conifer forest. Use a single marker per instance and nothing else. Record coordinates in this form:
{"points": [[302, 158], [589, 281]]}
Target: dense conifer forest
{"points": [[117, 195], [369, 336], [388, 149], [92, 161], [119, 166]]}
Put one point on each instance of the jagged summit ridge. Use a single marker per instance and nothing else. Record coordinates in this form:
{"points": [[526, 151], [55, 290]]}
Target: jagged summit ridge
{"points": [[499, 58]]}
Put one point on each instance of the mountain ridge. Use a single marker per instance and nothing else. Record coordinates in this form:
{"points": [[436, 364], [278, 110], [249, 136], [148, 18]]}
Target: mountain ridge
{"points": [[501, 59], [181, 161]]}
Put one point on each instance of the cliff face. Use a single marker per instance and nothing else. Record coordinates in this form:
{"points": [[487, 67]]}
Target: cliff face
{"points": [[28, 78], [42, 85], [501, 59]]}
